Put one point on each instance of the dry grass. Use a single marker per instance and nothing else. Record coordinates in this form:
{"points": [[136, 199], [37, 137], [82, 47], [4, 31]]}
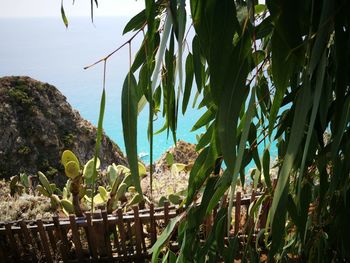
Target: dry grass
{"points": [[22, 207]]}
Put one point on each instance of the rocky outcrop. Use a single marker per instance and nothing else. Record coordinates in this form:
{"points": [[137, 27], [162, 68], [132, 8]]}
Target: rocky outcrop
{"points": [[182, 152], [165, 181], [37, 124]]}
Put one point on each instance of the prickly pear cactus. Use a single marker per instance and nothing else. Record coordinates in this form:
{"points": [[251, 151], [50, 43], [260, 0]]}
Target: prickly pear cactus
{"points": [[48, 189], [72, 169], [117, 189], [89, 168], [68, 156]]}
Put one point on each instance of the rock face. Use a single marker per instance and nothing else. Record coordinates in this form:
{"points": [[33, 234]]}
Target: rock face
{"points": [[37, 124]]}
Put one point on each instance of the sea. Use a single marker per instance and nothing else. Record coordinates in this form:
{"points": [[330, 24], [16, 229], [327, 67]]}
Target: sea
{"points": [[44, 49]]}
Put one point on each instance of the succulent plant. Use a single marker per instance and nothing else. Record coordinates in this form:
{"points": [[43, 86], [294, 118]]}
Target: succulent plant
{"points": [[72, 170], [175, 199], [25, 180], [20, 184], [121, 190], [67, 206], [55, 201], [122, 182], [169, 159], [47, 189], [116, 177], [142, 170], [135, 200], [162, 201], [89, 168], [112, 173], [118, 186], [68, 156]]}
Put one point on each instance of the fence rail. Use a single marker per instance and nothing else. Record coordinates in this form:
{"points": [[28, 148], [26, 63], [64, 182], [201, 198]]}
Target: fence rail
{"points": [[98, 237]]}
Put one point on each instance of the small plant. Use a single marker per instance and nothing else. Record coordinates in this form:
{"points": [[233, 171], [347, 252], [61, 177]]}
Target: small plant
{"points": [[20, 184], [120, 182], [48, 189]]}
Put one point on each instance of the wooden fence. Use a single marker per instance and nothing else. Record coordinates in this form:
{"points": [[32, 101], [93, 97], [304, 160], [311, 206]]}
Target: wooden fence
{"points": [[97, 237]]}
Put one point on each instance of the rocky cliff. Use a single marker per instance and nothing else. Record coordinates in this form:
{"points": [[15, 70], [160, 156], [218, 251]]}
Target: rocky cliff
{"points": [[37, 124]]}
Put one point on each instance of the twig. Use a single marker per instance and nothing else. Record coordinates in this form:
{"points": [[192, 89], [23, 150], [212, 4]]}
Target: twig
{"points": [[117, 49]]}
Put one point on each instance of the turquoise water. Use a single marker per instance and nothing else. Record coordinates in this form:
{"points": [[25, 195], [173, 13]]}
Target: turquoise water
{"points": [[43, 49]]}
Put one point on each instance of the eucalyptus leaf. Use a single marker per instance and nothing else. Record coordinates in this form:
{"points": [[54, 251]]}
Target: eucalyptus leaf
{"points": [[129, 118]]}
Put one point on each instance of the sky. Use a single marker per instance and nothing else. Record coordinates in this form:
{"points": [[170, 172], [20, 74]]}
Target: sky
{"points": [[51, 8]]}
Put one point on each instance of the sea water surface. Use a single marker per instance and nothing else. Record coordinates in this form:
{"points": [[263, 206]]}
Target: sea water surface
{"points": [[44, 49]]}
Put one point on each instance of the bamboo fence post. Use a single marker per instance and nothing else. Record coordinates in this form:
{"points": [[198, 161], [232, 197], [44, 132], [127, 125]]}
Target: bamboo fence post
{"points": [[44, 240], [90, 236], [137, 227], [166, 213], [13, 244], [237, 212], [107, 235], [60, 233], [121, 230], [52, 239], [76, 237], [30, 245], [153, 228]]}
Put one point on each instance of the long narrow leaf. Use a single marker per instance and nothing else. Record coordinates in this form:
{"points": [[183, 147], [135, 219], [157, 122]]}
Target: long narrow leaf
{"points": [[161, 51], [317, 96], [188, 82], [129, 119], [99, 134], [182, 25], [99, 129], [297, 132], [63, 14], [241, 148], [168, 231]]}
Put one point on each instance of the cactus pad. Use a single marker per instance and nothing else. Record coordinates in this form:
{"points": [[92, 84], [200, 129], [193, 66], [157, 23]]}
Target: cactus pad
{"points": [[72, 169], [68, 156]]}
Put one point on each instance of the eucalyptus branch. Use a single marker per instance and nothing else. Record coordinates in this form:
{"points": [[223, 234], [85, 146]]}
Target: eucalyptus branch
{"points": [[117, 49]]}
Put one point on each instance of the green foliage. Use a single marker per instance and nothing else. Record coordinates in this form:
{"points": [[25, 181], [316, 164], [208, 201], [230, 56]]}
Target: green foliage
{"points": [[274, 73], [19, 95], [289, 62]]}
